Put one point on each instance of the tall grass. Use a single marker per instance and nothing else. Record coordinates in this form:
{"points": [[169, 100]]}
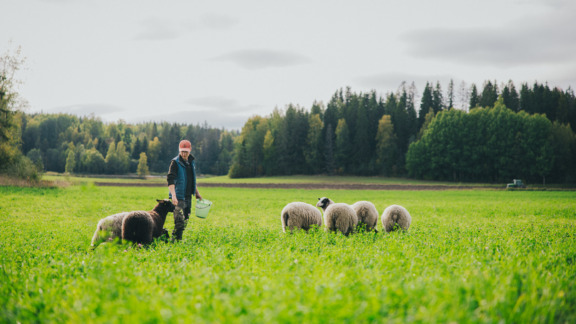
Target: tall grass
{"points": [[469, 256]]}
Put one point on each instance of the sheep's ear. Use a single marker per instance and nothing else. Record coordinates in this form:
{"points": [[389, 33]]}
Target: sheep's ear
{"points": [[319, 198]]}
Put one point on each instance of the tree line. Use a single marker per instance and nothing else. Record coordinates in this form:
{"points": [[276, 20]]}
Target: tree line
{"points": [[67, 143], [493, 144], [367, 134]]}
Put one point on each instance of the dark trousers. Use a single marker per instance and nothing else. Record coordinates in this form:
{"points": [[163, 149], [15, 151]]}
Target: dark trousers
{"points": [[181, 215]]}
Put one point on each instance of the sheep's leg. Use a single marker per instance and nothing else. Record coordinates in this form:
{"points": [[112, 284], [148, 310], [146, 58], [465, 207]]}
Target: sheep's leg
{"points": [[96, 239]]}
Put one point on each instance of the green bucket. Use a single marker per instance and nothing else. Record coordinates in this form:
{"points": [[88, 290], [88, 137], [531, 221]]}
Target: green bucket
{"points": [[203, 208]]}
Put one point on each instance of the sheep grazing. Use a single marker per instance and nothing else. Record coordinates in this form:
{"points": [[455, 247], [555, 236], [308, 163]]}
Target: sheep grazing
{"points": [[135, 226], [367, 215], [299, 215], [109, 229], [338, 216], [143, 227], [395, 217]]}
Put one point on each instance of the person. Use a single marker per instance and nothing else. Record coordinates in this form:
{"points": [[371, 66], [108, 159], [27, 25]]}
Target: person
{"points": [[181, 185]]}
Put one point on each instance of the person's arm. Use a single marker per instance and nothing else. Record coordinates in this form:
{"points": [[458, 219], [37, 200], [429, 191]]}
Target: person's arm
{"points": [[172, 189], [171, 177], [198, 195]]}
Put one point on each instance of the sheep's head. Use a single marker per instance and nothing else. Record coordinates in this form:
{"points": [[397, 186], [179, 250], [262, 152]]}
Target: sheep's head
{"points": [[166, 204], [324, 202]]}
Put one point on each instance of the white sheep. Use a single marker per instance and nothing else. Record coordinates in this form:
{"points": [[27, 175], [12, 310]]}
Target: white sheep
{"points": [[367, 215], [300, 215], [338, 216], [395, 217]]}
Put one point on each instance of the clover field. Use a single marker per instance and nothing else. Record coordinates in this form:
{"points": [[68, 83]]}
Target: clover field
{"points": [[470, 256]]}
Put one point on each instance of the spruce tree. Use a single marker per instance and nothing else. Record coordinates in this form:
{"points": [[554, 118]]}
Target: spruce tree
{"points": [[425, 104], [450, 94], [137, 149], [510, 96], [362, 142], [474, 100], [489, 95], [437, 99], [328, 147]]}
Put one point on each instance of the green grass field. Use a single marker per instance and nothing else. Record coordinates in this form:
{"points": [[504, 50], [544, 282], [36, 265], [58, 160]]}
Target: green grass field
{"points": [[469, 257]]}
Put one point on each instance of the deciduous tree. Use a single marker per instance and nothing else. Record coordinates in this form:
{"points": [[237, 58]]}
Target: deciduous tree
{"points": [[143, 165], [386, 151]]}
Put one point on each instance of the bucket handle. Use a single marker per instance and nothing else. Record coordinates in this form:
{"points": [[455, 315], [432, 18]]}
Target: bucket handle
{"points": [[205, 205]]}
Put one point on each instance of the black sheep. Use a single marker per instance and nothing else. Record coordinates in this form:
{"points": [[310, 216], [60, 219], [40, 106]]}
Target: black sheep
{"points": [[143, 227]]}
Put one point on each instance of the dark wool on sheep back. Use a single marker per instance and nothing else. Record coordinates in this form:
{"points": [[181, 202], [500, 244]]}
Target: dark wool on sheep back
{"points": [[143, 227], [138, 227]]}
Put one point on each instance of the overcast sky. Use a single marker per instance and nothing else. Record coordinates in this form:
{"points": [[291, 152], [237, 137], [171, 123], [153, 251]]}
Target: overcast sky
{"points": [[223, 61]]}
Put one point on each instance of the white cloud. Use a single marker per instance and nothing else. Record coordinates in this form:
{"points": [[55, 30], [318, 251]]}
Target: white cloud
{"points": [[214, 21], [162, 28], [220, 104], [154, 28], [549, 38], [254, 59], [57, 1]]}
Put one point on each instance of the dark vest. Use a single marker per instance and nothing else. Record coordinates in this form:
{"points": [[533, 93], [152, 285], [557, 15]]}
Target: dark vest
{"points": [[181, 180]]}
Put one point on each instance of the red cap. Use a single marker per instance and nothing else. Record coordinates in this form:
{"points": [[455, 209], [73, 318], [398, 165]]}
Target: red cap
{"points": [[185, 145]]}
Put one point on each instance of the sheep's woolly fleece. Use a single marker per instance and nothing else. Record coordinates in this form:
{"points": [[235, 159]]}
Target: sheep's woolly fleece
{"points": [[367, 214], [338, 216], [396, 217], [300, 215]]}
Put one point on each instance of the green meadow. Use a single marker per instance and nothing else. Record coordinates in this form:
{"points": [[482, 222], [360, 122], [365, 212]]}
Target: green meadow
{"points": [[470, 256]]}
